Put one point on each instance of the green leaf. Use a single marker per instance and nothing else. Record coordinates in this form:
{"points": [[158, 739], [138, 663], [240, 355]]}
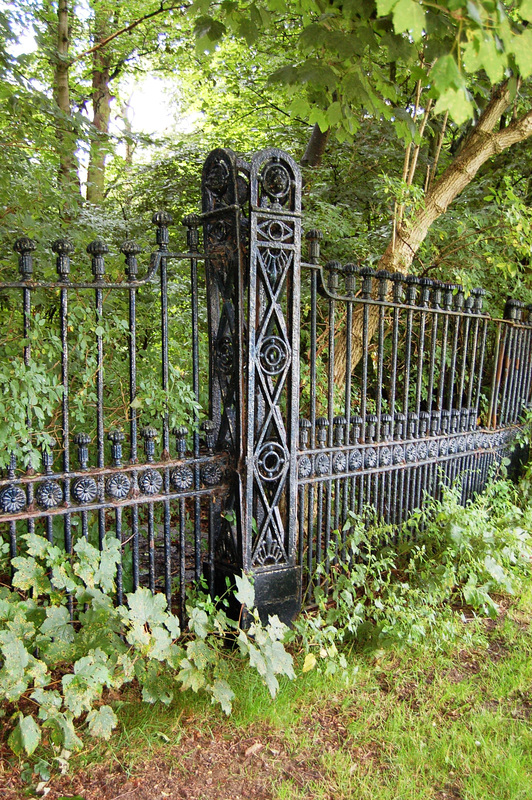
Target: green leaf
{"points": [[145, 607], [208, 27], [245, 593], [58, 624], [384, 7], [456, 103], [63, 732], [102, 721], [522, 48], [409, 16], [445, 74], [25, 737], [30, 576], [525, 10], [223, 694]]}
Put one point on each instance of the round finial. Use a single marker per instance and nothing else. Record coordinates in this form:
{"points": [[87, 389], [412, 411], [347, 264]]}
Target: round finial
{"points": [[97, 248], [24, 245], [162, 219], [130, 248], [191, 221], [62, 247], [314, 235]]}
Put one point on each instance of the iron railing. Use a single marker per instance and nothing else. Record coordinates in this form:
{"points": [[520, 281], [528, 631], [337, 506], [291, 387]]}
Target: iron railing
{"points": [[349, 392], [157, 497], [427, 392]]}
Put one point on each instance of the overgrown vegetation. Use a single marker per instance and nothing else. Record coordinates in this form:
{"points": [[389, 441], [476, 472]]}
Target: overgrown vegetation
{"points": [[60, 672]]}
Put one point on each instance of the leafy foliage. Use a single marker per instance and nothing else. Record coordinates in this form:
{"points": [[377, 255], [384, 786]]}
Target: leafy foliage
{"points": [[103, 646], [403, 589]]}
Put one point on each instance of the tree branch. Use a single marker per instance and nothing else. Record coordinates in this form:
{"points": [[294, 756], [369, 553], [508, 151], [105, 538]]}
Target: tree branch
{"points": [[130, 27]]}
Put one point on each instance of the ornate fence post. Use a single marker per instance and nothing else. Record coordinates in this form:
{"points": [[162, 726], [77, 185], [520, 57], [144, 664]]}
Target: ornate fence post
{"points": [[252, 237]]}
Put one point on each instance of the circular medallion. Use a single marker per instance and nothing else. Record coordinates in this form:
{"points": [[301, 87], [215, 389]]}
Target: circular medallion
{"points": [[117, 486], [151, 482], [370, 458], [211, 475], [12, 499], [276, 181], [355, 460], [273, 355], [453, 445], [462, 444], [304, 468], [84, 490], [340, 462], [276, 231], [271, 460], [182, 478], [398, 454], [422, 451], [385, 456], [322, 464], [444, 447], [49, 494], [433, 449], [411, 453], [471, 441]]}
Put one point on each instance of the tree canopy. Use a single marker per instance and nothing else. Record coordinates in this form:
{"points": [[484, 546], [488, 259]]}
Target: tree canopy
{"points": [[411, 119]]}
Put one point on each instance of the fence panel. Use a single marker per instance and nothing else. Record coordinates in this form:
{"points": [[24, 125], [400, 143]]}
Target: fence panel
{"points": [[108, 354], [426, 392]]}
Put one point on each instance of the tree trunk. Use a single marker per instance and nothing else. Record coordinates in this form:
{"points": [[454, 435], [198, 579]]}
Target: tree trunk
{"points": [[66, 134], [481, 144], [315, 147], [101, 105]]}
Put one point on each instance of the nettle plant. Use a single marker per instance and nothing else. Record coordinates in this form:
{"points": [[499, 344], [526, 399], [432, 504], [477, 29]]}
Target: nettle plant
{"points": [[64, 645]]}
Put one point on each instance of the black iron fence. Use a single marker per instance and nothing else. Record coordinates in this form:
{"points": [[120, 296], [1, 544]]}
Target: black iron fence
{"points": [[345, 391], [426, 392]]}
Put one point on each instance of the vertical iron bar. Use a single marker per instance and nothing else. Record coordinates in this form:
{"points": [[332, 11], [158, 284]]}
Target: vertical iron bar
{"points": [[192, 224], [458, 303], [97, 250], [397, 279], [447, 304]]}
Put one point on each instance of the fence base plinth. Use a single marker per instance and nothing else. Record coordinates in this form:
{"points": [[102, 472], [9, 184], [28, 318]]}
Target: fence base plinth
{"points": [[277, 591]]}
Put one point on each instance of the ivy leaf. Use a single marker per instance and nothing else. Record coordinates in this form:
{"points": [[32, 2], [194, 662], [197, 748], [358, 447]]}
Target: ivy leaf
{"points": [[102, 721], [25, 737], [245, 593], [223, 694]]}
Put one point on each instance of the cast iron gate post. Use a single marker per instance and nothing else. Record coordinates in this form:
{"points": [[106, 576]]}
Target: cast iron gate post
{"points": [[252, 234]]}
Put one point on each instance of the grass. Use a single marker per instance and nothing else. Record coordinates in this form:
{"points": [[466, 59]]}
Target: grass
{"points": [[437, 723]]}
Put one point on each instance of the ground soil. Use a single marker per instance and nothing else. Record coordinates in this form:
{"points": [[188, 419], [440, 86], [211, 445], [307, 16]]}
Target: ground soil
{"points": [[198, 768]]}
